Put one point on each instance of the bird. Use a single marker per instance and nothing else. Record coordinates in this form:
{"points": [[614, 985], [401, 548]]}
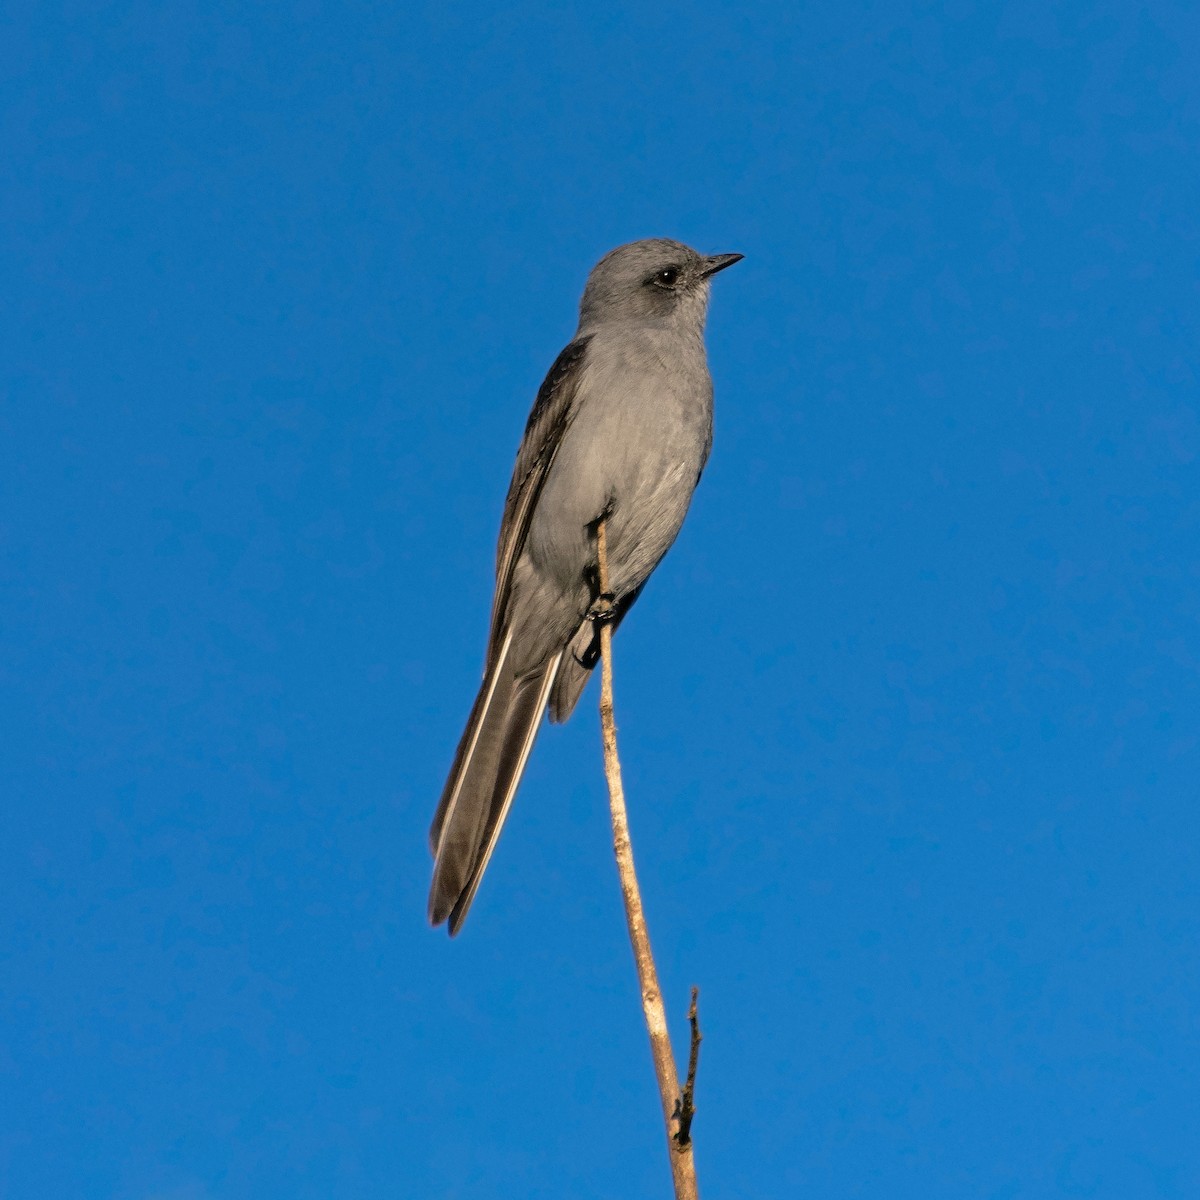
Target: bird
{"points": [[620, 431]]}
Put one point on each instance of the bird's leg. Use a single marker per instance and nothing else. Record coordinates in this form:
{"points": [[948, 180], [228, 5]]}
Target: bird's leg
{"points": [[604, 604], [602, 611]]}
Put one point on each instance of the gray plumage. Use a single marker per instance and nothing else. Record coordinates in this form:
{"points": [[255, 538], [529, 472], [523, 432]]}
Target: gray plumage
{"points": [[621, 429]]}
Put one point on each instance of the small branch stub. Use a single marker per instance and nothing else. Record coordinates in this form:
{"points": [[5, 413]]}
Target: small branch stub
{"points": [[678, 1108], [685, 1109]]}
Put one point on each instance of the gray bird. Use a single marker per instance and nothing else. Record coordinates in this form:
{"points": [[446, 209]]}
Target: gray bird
{"points": [[620, 430]]}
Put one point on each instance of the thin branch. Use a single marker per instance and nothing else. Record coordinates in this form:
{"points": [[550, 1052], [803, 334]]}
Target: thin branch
{"points": [[686, 1108], [679, 1142]]}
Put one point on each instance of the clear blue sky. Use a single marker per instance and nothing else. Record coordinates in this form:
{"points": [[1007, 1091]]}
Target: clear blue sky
{"points": [[910, 714]]}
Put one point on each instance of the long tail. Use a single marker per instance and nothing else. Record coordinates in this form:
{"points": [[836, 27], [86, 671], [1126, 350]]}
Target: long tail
{"points": [[483, 780]]}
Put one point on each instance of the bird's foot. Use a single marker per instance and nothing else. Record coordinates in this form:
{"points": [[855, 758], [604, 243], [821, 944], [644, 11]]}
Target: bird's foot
{"points": [[603, 610], [591, 656]]}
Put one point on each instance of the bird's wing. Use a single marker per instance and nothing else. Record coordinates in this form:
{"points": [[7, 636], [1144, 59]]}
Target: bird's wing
{"points": [[548, 421]]}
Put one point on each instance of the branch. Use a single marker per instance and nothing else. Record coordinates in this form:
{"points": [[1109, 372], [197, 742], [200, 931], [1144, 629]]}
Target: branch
{"points": [[685, 1108], [677, 1109]]}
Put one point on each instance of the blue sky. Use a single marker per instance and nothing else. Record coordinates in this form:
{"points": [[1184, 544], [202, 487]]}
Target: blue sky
{"points": [[910, 715]]}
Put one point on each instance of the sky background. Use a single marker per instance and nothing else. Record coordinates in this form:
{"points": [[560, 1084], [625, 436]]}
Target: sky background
{"points": [[910, 715]]}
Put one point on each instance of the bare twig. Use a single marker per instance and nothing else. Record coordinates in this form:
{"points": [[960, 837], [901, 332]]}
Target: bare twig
{"points": [[686, 1108], [679, 1142]]}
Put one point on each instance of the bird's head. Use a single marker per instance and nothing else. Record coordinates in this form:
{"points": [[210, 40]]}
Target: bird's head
{"points": [[652, 281]]}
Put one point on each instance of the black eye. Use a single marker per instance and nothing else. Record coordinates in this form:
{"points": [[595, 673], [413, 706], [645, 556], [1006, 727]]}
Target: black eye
{"points": [[666, 278]]}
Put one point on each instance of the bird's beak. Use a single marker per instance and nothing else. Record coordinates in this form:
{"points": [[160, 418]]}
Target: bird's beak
{"points": [[718, 262]]}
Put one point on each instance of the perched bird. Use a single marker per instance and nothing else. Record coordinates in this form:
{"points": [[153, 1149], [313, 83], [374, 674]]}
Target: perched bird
{"points": [[620, 430]]}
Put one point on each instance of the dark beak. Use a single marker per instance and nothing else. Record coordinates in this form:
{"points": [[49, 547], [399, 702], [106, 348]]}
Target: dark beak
{"points": [[718, 262]]}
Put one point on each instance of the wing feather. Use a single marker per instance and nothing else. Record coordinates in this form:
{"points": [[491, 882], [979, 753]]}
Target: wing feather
{"points": [[548, 421]]}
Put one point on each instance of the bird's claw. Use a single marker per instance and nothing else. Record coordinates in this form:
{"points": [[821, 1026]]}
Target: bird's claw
{"points": [[603, 609]]}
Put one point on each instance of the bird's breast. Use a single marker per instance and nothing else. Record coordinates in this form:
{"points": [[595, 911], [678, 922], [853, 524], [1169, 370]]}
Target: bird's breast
{"points": [[637, 442]]}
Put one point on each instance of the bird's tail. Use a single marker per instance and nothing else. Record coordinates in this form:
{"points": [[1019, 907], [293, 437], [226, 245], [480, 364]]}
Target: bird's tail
{"points": [[483, 780]]}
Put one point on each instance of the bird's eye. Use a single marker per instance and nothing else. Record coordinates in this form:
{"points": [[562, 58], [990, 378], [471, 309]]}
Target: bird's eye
{"points": [[666, 278]]}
